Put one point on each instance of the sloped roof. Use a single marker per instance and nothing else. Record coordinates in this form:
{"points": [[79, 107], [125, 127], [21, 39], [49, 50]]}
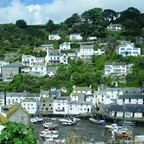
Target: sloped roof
{"points": [[46, 99], [14, 108], [127, 108], [82, 88], [3, 119], [131, 96]]}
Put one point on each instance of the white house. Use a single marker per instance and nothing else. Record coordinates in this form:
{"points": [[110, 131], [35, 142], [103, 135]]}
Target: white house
{"points": [[39, 69], [78, 96], [54, 37], [100, 97], [85, 51], [128, 50], [60, 105], [85, 90], [30, 105], [112, 94], [12, 97], [99, 52], [117, 68], [55, 56], [115, 27], [28, 60], [92, 38], [64, 59], [65, 46], [79, 107], [44, 94], [44, 47], [75, 37], [91, 98]]}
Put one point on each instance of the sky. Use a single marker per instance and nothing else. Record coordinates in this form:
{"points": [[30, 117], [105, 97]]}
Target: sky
{"points": [[40, 11]]}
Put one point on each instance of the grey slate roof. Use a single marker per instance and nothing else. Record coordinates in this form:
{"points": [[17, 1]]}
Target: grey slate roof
{"points": [[131, 97], [127, 108], [80, 103]]}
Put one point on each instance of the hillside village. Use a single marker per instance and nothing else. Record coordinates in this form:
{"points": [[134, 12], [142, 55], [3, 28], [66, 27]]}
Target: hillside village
{"points": [[82, 100], [82, 76]]}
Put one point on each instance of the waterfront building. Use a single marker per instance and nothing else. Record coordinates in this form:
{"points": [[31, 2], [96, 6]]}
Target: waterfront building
{"points": [[127, 110], [106, 95], [130, 99], [30, 105], [46, 105], [60, 105], [77, 107], [12, 97], [78, 96], [16, 113]]}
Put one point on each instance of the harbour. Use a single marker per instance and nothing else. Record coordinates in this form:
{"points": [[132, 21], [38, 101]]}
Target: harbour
{"points": [[84, 130]]}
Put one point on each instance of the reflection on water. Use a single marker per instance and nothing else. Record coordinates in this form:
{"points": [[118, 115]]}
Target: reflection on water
{"points": [[84, 129]]}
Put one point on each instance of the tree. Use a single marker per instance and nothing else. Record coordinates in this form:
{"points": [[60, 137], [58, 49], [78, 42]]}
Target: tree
{"points": [[73, 20], [110, 15], [50, 26], [21, 24], [17, 133]]}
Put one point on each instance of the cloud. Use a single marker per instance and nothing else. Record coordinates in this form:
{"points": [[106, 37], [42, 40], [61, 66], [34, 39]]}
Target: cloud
{"points": [[58, 10]]}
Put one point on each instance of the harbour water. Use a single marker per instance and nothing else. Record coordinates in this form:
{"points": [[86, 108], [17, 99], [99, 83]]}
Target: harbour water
{"points": [[84, 129]]}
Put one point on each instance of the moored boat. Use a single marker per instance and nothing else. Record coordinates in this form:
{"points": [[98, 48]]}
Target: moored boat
{"points": [[50, 125], [122, 132], [101, 122], [69, 120], [49, 134], [36, 119]]}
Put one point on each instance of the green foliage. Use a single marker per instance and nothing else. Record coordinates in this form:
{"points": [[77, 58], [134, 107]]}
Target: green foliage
{"points": [[22, 38], [21, 24], [17, 133]]}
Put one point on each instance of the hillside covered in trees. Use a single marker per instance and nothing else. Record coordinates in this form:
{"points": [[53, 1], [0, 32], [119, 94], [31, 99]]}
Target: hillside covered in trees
{"points": [[21, 38]]}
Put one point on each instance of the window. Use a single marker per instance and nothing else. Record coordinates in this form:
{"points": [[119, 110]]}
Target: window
{"points": [[43, 104]]}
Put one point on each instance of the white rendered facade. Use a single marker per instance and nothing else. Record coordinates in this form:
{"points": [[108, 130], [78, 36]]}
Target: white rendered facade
{"points": [[129, 50], [65, 46]]}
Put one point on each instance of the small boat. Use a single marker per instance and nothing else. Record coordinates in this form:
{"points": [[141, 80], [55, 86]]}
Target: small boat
{"points": [[50, 125], [122, 132], [113, 126], [49, 134], [69, 120], [36, 119], [100, 122]]}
